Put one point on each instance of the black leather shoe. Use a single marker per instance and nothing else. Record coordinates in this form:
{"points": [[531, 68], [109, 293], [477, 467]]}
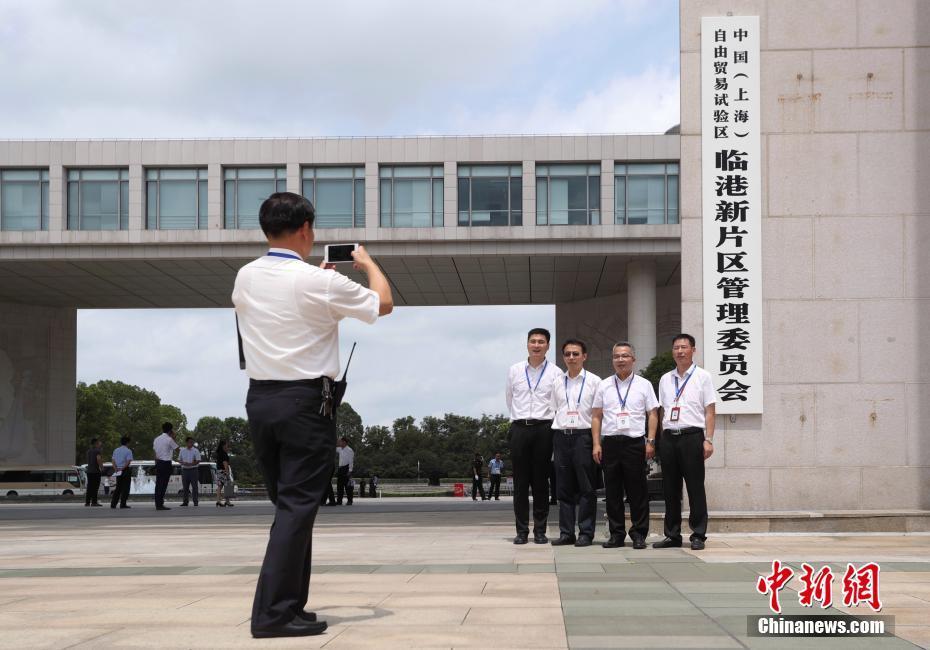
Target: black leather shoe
{"points": [[639, 544], [564, 540], [307, 616], [182, 505], [697, 545], [125, 507], [613, 542], [162, 508], [668, 542], [583, 540], [520, 539], [540, 538], [297, 627]]}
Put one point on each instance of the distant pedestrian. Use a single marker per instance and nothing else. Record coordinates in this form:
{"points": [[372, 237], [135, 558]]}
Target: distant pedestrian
{"points": [[94, 468], [477, 479], [373, 486], [189, 457], [330, 497], [122, 461], [164, 446], [223, 475], [344, 473], [495, 471]]}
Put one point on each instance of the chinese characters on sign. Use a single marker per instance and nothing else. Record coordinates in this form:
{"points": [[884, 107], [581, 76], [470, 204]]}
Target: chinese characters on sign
{"points": [[731, 168], [860, 586]]}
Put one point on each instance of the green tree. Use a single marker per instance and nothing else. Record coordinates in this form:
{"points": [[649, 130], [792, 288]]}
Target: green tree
{"points": [[658, 366]]}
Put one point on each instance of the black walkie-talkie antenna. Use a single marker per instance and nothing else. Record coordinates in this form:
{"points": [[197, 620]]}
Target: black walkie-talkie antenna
{"points": [[346, 371]]}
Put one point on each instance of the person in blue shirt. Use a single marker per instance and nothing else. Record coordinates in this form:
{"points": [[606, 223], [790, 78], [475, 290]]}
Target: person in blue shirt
{"points": [[122, 459], [495, 471]]}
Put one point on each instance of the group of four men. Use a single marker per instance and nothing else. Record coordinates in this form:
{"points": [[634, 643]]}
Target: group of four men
{"points": [[580, 421]]}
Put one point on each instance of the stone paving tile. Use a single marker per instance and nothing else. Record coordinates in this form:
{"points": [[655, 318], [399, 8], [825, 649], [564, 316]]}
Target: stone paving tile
{"points": [[465, 636], [653, 641], [505, 615]]}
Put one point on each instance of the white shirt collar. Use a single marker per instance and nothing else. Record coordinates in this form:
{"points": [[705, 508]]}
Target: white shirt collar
{"points": [[285, 251]]}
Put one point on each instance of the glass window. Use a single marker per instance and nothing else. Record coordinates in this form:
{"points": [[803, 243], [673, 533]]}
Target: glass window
{"points": [[411, 197], [568, 194], [490, 195], [98, 199], [24, 199], [646, 193], [246, 188], [337, 195], [175, 199]]}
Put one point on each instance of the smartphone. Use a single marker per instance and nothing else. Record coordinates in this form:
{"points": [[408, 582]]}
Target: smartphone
{"points": [[338, 253]]}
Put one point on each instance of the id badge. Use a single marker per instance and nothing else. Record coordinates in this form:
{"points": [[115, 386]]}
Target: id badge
{"points": [[623, 420], [572, 420], [674, 413]]}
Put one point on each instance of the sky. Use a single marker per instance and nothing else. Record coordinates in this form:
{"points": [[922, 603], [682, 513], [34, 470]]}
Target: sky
{"points": [[111, 69]]}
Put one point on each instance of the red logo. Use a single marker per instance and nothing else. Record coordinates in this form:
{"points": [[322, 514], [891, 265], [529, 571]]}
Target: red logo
{"points": [[860, 586]]}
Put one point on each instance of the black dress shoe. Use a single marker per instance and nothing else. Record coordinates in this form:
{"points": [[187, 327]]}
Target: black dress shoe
{"points": [[125, 507], [297, 627], [182, 505], [697, 545], [162, 508], [520, 539], [307, 616], [668, 542], [540, 538], [564, 540], [614, 542], [639, 543], [583, 540]]}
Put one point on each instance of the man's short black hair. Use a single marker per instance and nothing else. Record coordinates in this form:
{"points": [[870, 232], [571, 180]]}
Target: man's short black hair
{"points": [[167, 427], [124, 440], [283, 213], [538, 330], [93, 441], [188, 439], [689, 338], [584, 348]]}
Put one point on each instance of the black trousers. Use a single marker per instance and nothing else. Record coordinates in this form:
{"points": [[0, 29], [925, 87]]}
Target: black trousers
{"points": [[121, 491], [190, 480], [330, 495], [162, 476], [682, 457], [624, 462], [531, 447], [344, 485], [495, 489], [294, 445], [93, 486], [477, 487], [574, 467]]}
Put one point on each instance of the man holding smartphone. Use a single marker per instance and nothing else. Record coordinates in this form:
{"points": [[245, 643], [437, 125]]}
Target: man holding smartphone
{"points": [[288, 314]]}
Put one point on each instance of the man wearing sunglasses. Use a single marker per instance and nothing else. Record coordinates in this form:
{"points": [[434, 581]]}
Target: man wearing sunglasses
{"points": [[572, 400]]}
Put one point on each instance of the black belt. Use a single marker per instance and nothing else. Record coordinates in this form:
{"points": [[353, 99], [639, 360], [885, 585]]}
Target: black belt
{"points": [[682, 432], [573, 432], [533, 423], [284, 383]]}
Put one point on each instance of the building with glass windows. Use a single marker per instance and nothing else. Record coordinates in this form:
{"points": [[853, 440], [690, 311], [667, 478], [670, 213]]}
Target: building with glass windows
{"points": [[608, 228]]}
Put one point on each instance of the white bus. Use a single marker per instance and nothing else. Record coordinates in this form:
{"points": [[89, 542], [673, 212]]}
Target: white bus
{"points": [[143, 477], [35, 480]]}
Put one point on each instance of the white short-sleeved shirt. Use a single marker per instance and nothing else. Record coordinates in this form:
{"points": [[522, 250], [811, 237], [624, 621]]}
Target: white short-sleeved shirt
{"points": [[346, 457], [639, 397], [289, 313], [529, 390], [698, 393], [164, 446], [189, 456], [573, 395]]}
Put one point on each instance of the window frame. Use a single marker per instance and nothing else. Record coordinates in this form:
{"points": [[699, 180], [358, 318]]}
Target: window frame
{"points": [[547, 167], [279, 177], [672, 168], [437, 173], [515, 171], [122, 177], [41, 181], [357, 178], [202, 216]]}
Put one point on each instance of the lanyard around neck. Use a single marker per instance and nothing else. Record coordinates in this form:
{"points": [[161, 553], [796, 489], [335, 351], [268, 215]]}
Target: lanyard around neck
{"points": [[625, 397], [542, 372], [679, 391], [568, 402], [285, 255]]}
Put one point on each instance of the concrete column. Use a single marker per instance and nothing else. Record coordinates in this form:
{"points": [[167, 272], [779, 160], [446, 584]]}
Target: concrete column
{"points": [[450, 194], [641, 308]]}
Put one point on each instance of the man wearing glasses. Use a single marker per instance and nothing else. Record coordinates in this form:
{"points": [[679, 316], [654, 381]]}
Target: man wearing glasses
{"points": [[572, 399], [528, 394], [623, 425]]}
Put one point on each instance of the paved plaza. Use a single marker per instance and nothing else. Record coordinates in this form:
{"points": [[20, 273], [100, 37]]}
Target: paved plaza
{"points": [[387, 574]]}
